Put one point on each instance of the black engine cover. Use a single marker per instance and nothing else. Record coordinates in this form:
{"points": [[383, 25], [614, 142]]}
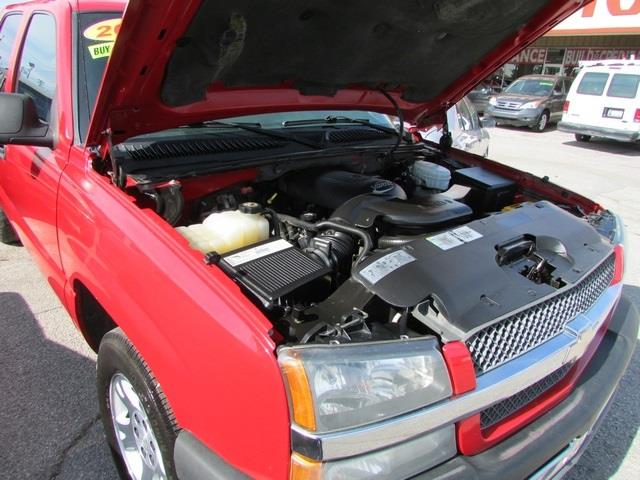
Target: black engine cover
{"points": [[463, 272], [423, 213], [332, 188]]}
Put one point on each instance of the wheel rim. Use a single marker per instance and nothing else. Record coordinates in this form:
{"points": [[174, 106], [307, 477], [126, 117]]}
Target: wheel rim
{"points": [[136, 441], [542, 123]]}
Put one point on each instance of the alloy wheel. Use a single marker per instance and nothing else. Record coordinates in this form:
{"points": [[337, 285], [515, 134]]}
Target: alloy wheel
{"points": [[136, 440]]}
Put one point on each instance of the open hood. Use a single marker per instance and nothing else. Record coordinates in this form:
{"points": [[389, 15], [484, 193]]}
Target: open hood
{"points": [[183, 61]]}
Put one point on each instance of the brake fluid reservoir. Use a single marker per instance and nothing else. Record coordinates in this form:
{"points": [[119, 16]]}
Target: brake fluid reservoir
{"points": [[223, 232], [430, 175]]}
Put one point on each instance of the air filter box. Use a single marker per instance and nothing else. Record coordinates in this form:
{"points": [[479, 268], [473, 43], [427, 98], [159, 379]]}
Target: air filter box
{"points": [[272, 269]]}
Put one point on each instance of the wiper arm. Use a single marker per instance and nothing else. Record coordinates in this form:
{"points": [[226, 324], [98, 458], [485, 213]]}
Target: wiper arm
{"points": [[330, 120], [256, 128]]}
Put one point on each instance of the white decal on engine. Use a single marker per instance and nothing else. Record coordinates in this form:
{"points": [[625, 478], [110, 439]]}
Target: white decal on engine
{"points": [[466, 234], [454, 238], [445, 240], [384, 266], [256, 252]]}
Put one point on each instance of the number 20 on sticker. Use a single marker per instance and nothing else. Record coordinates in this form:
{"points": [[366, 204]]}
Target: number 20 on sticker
{"points": [[105, 31]]}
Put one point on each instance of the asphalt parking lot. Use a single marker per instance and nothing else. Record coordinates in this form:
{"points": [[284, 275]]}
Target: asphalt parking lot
{"points": [[49, 423]]}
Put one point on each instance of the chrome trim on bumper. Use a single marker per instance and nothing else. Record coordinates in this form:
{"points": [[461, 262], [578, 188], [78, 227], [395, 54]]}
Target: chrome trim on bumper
{"points": [[494, 386]]}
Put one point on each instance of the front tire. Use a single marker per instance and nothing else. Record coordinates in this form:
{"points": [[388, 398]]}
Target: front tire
{"points": [[582, 138], [138, 422], [7, 233], [542, 123]]}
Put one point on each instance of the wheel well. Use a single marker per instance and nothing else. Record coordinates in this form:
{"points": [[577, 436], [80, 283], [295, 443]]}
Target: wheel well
{"points": [[94, 320]]}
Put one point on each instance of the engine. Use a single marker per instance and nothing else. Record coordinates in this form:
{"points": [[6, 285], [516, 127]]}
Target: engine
{"points": [[334, 256]]}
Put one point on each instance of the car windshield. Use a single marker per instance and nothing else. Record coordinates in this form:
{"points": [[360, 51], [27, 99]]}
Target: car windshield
{"points": [[284, 124], [531, 86]]}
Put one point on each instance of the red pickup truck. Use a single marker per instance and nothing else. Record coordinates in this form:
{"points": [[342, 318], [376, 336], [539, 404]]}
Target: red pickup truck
{"points": [[279, 280]]}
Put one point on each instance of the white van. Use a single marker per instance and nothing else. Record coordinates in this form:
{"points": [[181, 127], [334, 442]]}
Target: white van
{"points": [[604, 101]]}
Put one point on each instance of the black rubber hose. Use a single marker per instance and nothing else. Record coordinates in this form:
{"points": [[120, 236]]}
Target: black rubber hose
{"points": [[274, 221], [389, 241], [367, 243]]}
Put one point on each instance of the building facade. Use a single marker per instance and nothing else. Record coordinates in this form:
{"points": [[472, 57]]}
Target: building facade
{"points": [[604, 29]]}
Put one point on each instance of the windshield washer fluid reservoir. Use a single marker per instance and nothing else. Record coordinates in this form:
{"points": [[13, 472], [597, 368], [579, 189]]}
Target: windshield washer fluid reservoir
{"points": [[223, 232]]}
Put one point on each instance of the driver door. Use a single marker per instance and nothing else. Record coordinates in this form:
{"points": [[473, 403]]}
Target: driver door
{"points": [[30, 175]]}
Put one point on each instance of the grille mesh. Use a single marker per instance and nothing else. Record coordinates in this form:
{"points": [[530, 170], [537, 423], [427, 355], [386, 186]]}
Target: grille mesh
{"points": [[527, 329], [511, 405], [186, 148]]}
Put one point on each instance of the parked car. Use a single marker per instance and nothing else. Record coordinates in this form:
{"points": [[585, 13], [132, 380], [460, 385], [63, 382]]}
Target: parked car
{"points": [[604, 101], [481, 94], [277, 290], [532, 101], [466, 128]]}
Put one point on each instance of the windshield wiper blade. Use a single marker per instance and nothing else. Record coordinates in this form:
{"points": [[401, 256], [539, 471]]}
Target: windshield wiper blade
{"points": [[256, 128], [331, 120]]}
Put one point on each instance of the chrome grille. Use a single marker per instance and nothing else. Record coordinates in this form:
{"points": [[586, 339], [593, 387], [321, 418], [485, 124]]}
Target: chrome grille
{"points": [[519, 333], [508, 105], [501, 410]]}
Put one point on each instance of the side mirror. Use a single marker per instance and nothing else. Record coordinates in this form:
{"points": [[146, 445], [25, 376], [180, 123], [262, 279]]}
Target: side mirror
{"points": [[487, 122], [19, 122]]}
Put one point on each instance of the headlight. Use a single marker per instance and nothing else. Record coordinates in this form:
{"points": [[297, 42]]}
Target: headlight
{"points": [[332, 387], [493, 102], [529, 105]]}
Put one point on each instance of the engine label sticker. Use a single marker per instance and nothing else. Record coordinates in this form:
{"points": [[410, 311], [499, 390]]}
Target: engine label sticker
{"points": [[384, 266], [454, 238], [256, 252]]}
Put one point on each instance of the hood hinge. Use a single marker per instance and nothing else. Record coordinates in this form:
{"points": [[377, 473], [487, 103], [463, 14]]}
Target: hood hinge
{"points": [[117, 176]]}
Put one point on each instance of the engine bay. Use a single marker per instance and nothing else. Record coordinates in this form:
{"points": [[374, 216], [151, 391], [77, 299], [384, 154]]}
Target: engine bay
{"points": [[382, 249]]}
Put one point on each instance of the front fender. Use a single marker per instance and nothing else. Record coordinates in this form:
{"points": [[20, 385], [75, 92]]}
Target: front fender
{"points": [[207, 345]]}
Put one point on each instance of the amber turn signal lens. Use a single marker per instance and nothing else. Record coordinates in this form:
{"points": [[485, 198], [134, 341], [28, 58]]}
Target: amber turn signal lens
{"points": [[299, 393], [303, 468]]}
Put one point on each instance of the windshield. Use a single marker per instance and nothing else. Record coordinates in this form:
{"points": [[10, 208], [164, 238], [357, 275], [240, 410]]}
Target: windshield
{"points": [[96, 34], [538, 87], [284, 121]]}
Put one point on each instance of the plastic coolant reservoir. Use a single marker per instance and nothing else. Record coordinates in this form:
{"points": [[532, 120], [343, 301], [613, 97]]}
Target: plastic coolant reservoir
{"points": [[430, 175], [223, 232]]}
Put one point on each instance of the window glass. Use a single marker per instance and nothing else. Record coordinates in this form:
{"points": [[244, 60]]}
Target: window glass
{"points": [[37, 70], [531, 86], [93, 55], [464, 116], [623, 85], [8, 33], [593, 83]]}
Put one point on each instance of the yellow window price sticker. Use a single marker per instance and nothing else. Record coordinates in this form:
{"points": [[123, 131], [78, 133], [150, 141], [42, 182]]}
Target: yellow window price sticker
{"points": [[105, 31], [101, 50]]}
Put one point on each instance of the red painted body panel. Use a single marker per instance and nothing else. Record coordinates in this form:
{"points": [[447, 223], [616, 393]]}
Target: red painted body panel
{"points": [[207, 344]]}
